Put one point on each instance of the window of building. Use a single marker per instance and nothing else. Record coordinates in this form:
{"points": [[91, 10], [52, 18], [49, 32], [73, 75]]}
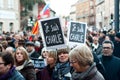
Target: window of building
{"points": [[11, 4], [1, 25], [98, 10], [1, 4], [91, 3], [91, 11], [11, 27]]}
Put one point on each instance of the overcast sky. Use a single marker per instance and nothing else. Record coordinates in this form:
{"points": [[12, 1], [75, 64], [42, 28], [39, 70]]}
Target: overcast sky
{"points": [[61, 7]]}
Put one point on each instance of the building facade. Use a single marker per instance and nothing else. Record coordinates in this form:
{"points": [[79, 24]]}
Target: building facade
{"points": [[97, 13], [9, 15], [92, 13], [109, 13], [100, 11], [82, 10], [105, 14], [85, 11], [73, 13]]}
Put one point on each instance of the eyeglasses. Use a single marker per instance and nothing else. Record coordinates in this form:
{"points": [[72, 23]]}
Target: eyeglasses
{"points": [[106, 48], [2, 63], [72, 62]]}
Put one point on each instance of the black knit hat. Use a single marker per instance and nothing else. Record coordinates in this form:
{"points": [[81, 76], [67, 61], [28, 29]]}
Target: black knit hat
{"points": [[30, 43], [118, 35]]}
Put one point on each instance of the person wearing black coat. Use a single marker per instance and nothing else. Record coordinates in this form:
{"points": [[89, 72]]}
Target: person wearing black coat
{"points": [[31, 50], [116, 51], [98, 62], [110, 62]]}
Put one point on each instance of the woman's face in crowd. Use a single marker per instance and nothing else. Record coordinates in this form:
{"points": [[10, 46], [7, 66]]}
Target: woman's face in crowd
{"points": [[45, 54], [74, 63], [63, 57], [50, 60], [3, 68], [19, 56]]}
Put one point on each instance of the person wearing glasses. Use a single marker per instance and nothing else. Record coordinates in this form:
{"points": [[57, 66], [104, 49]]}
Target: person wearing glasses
{"points": [[81, 59], [7, 69], [110, 62], [23, 64]]}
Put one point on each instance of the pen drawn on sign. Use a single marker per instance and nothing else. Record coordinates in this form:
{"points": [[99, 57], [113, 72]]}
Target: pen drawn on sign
{"points": [[77, 32], [52, 32]]}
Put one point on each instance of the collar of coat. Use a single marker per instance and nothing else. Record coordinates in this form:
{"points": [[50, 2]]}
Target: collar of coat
{"points": [[26, 63], [88, 73]]}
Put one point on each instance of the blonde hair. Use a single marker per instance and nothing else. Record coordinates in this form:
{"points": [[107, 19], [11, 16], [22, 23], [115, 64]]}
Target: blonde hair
{"points": [[52, 53], [43, 50], [24, 52], [82, 54]]}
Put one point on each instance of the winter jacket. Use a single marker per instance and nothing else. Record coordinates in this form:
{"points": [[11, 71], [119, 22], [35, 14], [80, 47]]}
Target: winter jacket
{"points": [[112, 67], [12, 74], [62, 71], [116, 51], [90, 74], [27, 70], [45, 74], [33, 54]]}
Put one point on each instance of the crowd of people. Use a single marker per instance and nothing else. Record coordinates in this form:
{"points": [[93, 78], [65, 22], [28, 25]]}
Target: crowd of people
{"points": [[98, 59]]}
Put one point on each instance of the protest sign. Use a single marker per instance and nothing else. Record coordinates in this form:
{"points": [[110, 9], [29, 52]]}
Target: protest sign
{"points": [[38, 63], [77, 33], [52, 33]]}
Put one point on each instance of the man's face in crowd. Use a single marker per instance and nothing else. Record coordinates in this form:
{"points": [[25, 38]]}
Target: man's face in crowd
{"points": [[107, 49], [3, 68], [29, 48]]}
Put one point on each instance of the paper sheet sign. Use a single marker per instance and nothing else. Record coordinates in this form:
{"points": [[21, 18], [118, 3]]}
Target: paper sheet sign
{"points": [[52, 33], [77, 33], [38, 63]]}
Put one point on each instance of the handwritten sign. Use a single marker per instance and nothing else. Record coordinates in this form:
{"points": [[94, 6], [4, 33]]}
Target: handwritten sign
{"points": [[77, 32], [52, 32], [38, 63]]}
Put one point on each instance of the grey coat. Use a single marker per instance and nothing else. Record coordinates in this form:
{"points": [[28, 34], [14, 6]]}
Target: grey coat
{"points": [[91, 74]]}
